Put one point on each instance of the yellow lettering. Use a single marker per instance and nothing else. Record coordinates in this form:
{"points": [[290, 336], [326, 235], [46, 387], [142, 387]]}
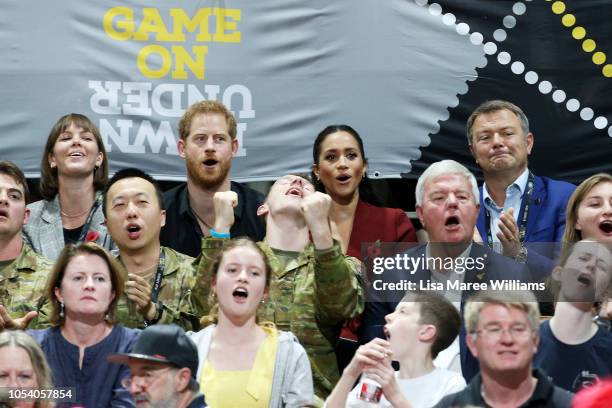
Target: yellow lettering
{"points": [[182, 58], [181, 20], [152, 23], [123, 17], [151, 50], [226, 25]]}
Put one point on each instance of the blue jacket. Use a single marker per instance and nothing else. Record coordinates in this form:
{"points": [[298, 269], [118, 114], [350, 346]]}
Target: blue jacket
{"points": [[545, 223], [379, 303]]}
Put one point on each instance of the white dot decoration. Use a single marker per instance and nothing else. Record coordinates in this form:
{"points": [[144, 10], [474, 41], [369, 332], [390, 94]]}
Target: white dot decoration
{"points": [[503, 58], [610, 131], [449, 19], [572, 105], [558, 96], [462, 28], [519, 8], [499, 35], [531, 77], [517, 67], [600, 122], [476, 38], [421, 2], [587, 114], [509, 21], [435, 9], [490, 48], [545, 87]]}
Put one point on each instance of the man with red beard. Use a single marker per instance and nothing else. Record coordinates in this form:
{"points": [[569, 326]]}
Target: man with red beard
{"points": [[208, 143]]}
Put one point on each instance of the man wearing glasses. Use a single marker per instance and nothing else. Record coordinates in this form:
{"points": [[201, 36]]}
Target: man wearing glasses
{"points": [[164, 363], [503, 335]]}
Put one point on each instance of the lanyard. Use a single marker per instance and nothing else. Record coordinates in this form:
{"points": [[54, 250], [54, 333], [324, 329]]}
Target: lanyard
{"points": [[87, 224], [523, 221], [159, 274]]}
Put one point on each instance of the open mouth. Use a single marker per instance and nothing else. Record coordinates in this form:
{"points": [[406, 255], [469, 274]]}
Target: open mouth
{"points": [[240, 293], [294, 191], [133, 231], [210, 162], [387, 333], [4, 213], [606, 226], [76, 154], [585, 279], [451, 221], [343, 177]]}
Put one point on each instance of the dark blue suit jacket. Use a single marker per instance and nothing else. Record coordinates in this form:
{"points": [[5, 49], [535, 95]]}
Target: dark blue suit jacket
{"points": [[381, 303], [545, 223]]}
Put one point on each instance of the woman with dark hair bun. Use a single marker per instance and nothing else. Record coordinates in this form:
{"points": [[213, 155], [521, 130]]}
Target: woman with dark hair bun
{"points": [[73, 173], [339, 170]]}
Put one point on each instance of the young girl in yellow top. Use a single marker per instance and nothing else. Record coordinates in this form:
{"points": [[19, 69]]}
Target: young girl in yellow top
{"points": [[243, 363]]}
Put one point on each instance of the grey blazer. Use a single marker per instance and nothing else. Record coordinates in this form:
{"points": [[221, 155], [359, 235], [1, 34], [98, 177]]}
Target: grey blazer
{"points": [[45, 234]]}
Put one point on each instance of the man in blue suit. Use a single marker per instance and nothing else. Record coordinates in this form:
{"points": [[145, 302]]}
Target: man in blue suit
{"points": [[447, 206], [516, 206]]}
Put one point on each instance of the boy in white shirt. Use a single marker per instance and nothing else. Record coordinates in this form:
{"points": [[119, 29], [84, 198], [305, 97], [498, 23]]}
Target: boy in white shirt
{"points": [[423, 324]]}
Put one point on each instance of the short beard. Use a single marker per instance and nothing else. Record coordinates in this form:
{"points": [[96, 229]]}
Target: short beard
{"points": [[205, 181], [171, 401]]}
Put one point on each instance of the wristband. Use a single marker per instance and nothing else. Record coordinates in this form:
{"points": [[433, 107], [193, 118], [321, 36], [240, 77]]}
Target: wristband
{"points": [[216, 234], [159, 310]]}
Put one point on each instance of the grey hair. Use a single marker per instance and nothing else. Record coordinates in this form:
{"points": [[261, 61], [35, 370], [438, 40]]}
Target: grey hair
{"points": [[523, 300], [494, 106], [445, 167]]}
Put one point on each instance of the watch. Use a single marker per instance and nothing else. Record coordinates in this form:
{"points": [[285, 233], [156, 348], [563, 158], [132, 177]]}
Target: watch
{"points": [[159, 310]]}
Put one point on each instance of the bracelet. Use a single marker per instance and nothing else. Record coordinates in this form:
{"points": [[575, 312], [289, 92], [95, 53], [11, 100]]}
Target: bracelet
{"points": [[216, 234]]}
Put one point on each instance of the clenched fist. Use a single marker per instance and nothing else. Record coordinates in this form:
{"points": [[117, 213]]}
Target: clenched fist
{"points": [[224, 203]]}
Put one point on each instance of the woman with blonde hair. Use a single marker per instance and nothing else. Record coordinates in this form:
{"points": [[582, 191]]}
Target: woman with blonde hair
{"points": [[243, 362], [73, 173], [84, 287], [23, 365]]}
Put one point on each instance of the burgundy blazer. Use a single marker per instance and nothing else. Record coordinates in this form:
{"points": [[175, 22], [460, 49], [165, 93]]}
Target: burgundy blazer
{"points": [[373, 223]]}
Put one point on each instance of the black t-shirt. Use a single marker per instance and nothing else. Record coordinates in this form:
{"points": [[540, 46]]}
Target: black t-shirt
{"points": [[71, 236], [182, 231]]}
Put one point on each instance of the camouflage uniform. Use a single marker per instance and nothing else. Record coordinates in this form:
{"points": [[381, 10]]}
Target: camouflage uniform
{"points": [[174, 294], [311, 297], [22, 283]]}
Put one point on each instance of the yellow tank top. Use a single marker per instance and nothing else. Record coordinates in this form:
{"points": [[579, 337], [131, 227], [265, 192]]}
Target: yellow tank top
{"points": [[249, 388]]}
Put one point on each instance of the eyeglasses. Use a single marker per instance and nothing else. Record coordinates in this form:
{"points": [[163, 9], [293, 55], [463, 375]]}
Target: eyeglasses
{"points": [[145, 380], [495, 333]]}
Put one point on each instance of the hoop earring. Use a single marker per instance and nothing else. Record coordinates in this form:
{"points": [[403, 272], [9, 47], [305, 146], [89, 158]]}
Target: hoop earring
{"points": [[61, 313]]}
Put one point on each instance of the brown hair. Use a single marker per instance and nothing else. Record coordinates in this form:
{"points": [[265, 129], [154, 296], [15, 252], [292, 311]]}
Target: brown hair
{"points": [[8, 168], [213, 315], [436, 310], [117, 277], [48, 176], [206, 107], [494, 106], [17, 338], [571, 234]]}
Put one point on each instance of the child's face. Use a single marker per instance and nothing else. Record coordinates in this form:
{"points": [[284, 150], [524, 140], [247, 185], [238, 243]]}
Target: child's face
{"points": [[402, 328], [585, 277]]}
